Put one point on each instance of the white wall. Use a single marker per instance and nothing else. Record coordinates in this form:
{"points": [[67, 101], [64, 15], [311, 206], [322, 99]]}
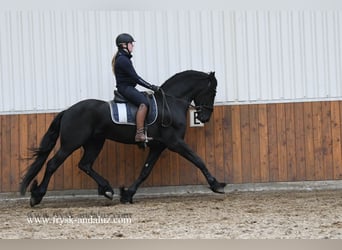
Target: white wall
{"points": [[52, 58], [171, 5]]}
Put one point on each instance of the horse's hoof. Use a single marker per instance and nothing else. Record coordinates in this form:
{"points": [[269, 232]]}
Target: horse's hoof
{"points": [[126, 201], [126, 196], [218, 188], [109, 195], [106, 191], [36, 198], [35, 201], [32, 202]]}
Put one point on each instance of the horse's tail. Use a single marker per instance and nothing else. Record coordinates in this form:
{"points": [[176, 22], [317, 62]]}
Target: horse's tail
{"points": [[40, 154]]}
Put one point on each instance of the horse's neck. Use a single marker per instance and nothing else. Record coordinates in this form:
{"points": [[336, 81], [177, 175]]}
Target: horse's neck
{"points": [[184, 90]]}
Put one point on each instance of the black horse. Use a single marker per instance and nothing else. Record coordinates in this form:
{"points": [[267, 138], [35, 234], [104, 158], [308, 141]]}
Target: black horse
{"points": [[88, 124]]}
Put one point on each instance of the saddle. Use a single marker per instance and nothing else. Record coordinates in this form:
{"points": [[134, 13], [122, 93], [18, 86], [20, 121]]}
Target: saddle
{"points": [[124, 112]]}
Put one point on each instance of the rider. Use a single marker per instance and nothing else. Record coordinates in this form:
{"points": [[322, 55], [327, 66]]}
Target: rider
{"points": [[127, 79]]}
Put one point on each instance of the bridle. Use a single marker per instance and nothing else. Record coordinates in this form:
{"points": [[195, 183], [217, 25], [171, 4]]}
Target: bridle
{"points": [[198, 108]]}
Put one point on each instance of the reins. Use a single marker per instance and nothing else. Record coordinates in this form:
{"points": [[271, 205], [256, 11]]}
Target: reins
{"points": [[166, 106]]}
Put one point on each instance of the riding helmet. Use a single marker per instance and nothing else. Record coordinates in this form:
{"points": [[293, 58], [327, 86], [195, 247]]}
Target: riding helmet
{"points": [[123, 38]]}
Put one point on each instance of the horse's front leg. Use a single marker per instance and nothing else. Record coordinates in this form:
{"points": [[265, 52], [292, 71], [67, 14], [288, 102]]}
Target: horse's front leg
{"points": [[126, 195], [184, 150]]}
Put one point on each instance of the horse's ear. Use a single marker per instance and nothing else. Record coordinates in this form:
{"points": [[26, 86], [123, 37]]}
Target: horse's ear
{"points": [[212, 73]]}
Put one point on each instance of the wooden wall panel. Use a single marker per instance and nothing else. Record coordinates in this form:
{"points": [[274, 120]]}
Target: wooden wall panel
{"points": [[240, 144], [273, 142], [6, 154], [299, 141], [263, 143], [336, 139]]}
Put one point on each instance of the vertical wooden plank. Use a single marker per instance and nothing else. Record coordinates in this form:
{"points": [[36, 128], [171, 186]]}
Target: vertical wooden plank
{"points": [[174, 162], [263, 143], [40, 131], [210, 144], [110, 147], [245, 144], [281, 133], [157, 170], [254, 143], [6, 153], [327, 140], [160, 169], [32, 136], [300, 141], [236, 141], [309, 143], [184, 165], [218, 143], [138, 162], [102, 163], [290, 142], [165, 169], [336, 139], [228, 144], [15, 148], [201, 150], [23, 145], [121, 164], [338, 169], [129, 164], [317, 137], [272, 142]]}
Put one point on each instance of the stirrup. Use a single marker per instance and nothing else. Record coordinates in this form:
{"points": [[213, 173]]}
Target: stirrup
{"points": [[142, 136]]}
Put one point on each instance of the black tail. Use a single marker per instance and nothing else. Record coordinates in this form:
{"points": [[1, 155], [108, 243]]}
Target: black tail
{"points": [[47, 143]]}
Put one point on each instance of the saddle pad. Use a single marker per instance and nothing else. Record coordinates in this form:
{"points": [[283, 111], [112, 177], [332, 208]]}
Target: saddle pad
{"points": [[124, 113]]}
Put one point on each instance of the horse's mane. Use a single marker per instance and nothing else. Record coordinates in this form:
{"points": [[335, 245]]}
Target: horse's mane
{"points": [[184, 75]]}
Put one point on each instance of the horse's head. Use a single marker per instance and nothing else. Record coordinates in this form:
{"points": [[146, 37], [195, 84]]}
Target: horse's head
{"points": [[194, 86], [204, 99]]}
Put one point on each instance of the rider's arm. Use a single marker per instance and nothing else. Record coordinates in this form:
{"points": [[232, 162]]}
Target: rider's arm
{"points": [[129, 69]]}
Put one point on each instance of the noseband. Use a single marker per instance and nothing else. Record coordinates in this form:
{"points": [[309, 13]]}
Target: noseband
{"points": [[200, 108]]}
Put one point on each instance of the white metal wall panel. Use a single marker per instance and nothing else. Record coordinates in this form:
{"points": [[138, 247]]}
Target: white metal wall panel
{"points": [[52, 59]]}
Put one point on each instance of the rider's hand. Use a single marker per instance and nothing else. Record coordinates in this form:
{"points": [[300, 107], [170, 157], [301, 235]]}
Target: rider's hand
{"points": [[154, 88]]}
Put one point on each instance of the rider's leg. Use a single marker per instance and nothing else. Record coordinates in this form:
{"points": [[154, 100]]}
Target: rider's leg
{"points": [[140, 122]]}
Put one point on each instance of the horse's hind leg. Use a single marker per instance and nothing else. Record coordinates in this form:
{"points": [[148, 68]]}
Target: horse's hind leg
{"points": [[91, 150], [38, 192]]}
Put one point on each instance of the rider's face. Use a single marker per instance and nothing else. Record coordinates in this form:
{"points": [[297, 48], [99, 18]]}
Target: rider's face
{"points": [[130, 47]]}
